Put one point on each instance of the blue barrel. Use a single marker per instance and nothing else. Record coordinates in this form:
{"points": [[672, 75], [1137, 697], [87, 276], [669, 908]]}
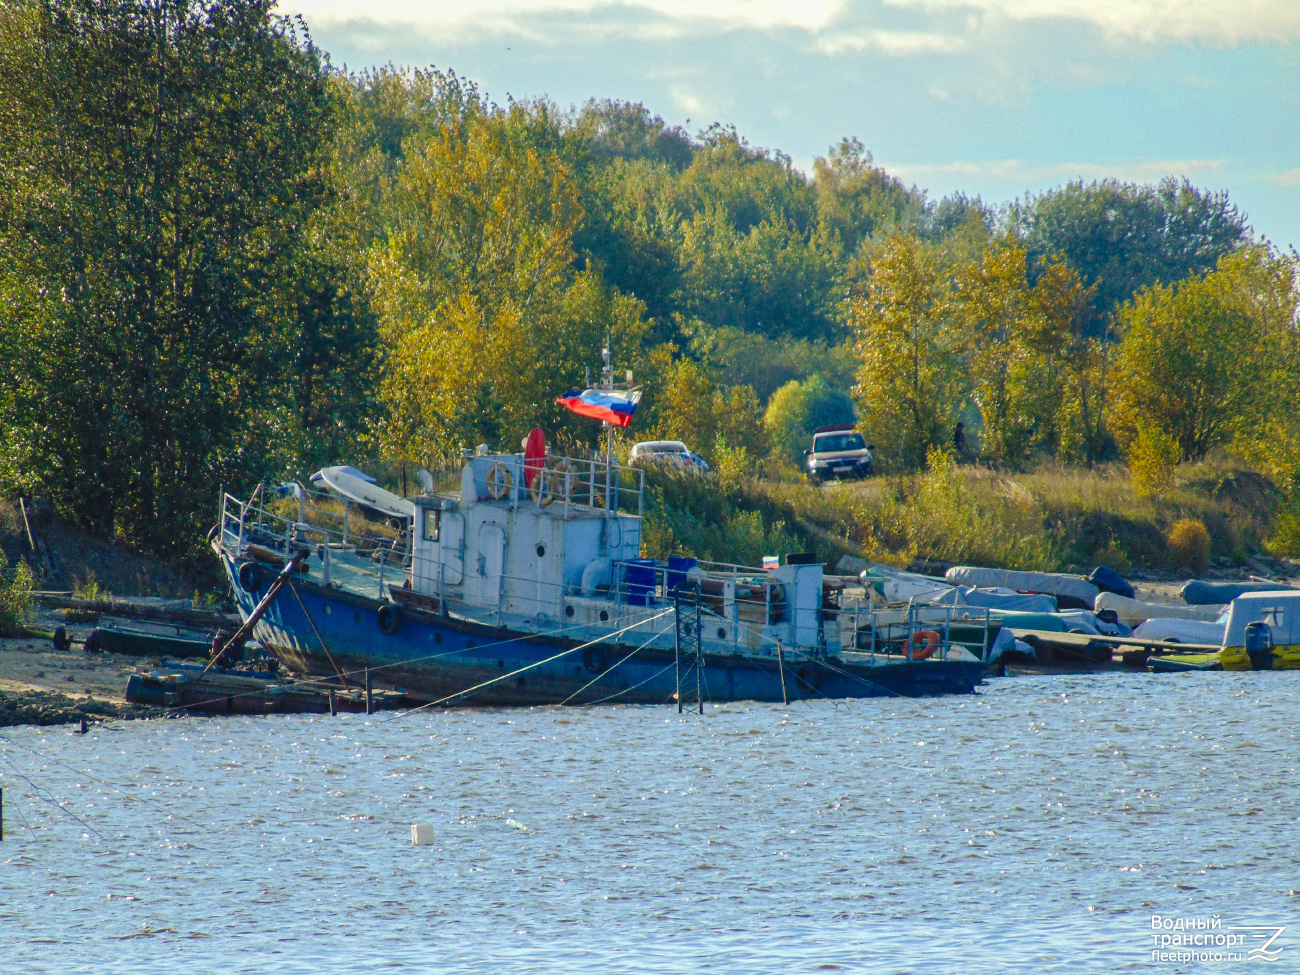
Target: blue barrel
{"points": [[641, 582], [678, 567]]}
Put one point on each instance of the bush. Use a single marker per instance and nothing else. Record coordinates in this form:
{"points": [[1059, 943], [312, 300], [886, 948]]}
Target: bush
{"points": [[1189, 544], [1152, 460], [1285, 539], [15, 599]]}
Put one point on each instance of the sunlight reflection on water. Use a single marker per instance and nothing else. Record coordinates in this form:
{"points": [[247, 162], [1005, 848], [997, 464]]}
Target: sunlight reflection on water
{"points": [[1034, 827]]}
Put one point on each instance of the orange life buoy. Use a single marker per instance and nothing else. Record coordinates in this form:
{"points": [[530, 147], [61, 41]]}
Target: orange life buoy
{"points": [[932, 640]]}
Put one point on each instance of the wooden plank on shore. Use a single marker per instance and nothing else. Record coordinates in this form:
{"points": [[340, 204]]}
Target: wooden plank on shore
{"points": [[171, 610]]}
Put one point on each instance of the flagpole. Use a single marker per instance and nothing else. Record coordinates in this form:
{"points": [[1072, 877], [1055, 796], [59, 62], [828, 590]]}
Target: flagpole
{"points": [[609, 467], [607, 374]]}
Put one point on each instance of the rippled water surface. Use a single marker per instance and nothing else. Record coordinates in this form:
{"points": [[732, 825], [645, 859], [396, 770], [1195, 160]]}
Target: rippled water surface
{"points": [[1034, 827]]}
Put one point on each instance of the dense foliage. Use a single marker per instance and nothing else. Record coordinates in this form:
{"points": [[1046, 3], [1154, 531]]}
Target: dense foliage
{"points": [[158, 164], [222, 260]]}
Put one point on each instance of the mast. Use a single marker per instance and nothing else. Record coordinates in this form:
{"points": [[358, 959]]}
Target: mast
{"points": [[607, 382]]}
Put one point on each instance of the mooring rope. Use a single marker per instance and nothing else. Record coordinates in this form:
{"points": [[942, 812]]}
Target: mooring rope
{"points": [[532, 666], [605, 673], [52, 802]]}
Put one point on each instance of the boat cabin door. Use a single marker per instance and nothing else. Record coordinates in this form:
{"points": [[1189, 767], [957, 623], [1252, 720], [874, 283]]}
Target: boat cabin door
{"points": [[491, 562]]}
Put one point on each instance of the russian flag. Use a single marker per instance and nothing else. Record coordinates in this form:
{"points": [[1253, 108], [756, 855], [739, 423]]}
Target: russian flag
{"points": [[612, 406]]}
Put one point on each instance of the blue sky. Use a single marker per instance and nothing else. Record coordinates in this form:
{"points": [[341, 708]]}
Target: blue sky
{"points": [[989, 97]]}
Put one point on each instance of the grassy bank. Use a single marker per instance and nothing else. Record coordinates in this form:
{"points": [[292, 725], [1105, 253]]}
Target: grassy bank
{"points": [[1052, 518]]}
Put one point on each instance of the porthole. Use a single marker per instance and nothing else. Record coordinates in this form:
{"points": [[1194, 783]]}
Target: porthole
{"points": [[722, 632], [568, 611], [541, 550], [437, 637], [604, 616]]}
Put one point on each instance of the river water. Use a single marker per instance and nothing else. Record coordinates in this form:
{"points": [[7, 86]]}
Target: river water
{"points": [[1037, 826]]}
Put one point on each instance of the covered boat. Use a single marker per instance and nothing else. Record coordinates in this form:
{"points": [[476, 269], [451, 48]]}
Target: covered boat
{"points": [[526, 587]]}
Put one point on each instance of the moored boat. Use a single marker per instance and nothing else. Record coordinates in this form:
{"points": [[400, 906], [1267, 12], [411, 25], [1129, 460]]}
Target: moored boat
{"points": [[526, 587]]}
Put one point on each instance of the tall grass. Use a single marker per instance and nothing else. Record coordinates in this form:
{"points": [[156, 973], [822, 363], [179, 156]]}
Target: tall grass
{"points": [[1052, 518]]}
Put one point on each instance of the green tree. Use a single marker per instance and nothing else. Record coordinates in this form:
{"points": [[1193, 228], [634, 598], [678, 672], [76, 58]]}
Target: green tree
{"points": [[1013, 376], [1122, 237], [484, 316], [856, 198], [909, 390], [693, 408], [158, 159], [1194, 353], [798, 408]]}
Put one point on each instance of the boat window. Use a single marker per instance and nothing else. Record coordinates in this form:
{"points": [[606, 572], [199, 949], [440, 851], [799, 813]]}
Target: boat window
{"points": [[1273, 617], [839, 441], [431, 524]]}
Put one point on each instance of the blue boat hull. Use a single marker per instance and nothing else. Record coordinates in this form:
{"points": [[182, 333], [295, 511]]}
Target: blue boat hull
{"points": [[437, 657]]}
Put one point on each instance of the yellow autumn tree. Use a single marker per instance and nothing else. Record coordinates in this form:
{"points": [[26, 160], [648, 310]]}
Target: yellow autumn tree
{"points": [[1197, 356], [1014, 378], [483, 314], [908, 389]]}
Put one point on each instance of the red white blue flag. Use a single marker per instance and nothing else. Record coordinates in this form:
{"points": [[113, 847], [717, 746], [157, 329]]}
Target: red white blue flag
{"points": [[611, 405]]}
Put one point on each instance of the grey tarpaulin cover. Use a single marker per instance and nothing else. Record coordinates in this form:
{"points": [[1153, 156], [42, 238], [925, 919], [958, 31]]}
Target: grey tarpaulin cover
{"points": [[1056, 583]]}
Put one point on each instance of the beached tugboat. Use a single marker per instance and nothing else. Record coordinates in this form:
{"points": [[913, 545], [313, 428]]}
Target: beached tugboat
{"points": [[525, 586]]}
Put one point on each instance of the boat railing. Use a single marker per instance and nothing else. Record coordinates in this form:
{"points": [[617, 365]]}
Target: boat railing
{"points": [[736, 598], [579, 484], [328, 526], [883, 632]]}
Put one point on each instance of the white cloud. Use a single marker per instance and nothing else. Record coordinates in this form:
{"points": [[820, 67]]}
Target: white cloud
{"points": [[896, 43], [457, 17], [1288, 178], [1014, 171], [1219, 23]]}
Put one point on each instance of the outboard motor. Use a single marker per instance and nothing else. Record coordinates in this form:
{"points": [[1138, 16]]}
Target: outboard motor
{"points": [[1259, 646]]}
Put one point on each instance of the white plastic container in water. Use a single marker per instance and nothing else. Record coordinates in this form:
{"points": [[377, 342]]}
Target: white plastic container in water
{"points": [[422, 834]]}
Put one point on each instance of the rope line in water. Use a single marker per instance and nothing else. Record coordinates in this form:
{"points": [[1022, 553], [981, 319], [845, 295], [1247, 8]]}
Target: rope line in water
{"points": [[539, 663], [603, 674], [302, 682], [104, 782], [633, 688], [52, 802]]}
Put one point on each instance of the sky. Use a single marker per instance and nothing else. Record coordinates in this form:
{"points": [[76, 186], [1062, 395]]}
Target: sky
{"points": [[994, 98]]}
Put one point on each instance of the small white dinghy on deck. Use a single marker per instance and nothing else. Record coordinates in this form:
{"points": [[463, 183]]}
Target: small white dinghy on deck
{"points": [[350, 484]]}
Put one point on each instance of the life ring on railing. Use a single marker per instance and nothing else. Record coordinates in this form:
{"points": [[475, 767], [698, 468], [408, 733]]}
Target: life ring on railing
{"points": [[559, 483], [499, 481], [250, 577], [390, 618], [542, 490], [932, 641]]}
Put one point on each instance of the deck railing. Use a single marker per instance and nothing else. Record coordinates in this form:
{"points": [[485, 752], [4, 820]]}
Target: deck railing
{"points": [[320, 522]]}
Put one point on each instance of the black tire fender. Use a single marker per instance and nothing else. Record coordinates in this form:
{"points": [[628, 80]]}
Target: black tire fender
{"points": [[389, 618], [594, 659], [251, 577]]}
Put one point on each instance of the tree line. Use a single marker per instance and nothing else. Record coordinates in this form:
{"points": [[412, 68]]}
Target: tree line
{"points": [[222, 260]]}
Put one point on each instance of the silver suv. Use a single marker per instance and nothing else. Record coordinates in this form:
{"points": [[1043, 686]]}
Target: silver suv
{"points": [[838, 451]]}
